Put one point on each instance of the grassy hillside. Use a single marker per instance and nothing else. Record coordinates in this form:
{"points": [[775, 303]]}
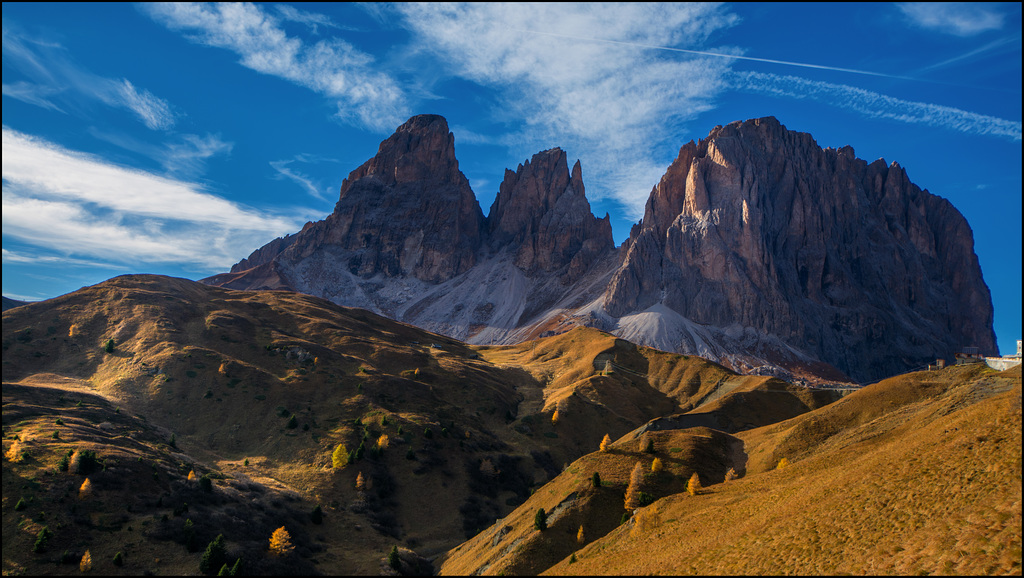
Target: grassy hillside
{"points": [[258, 389], [918, 474]]}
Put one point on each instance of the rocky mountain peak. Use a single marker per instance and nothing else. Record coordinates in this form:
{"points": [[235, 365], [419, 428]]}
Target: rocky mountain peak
{"points": [[756, 226], [422, 149], [542, 211]]}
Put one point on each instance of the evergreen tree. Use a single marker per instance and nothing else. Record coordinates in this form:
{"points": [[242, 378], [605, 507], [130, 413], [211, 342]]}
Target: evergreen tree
{"points": [[393, 560], [214, 556], [119, 559], [293, 422], [236, 570], [318, 515], [540, 520], [595, 480]]}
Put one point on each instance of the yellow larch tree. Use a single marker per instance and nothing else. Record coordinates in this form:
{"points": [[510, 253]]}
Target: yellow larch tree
{"points": [[782, 464], [281, 542], [657, 466], [85, 491], [633, 489], [86, 564], [693, 486], [606, 442], [360, 481], [580, 538]]}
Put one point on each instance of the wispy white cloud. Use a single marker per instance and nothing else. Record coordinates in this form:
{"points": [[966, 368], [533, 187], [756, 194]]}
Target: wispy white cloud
{"points": [[595, 97], [33, 94], [331, 67], [311, 19], [36, 259], [154, 112], [56, 80], [304, 181], [957, 18], [81, 206], [875, 105]]}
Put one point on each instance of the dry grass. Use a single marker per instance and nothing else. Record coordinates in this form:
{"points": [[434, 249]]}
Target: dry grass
{"points": [[929, 484]]}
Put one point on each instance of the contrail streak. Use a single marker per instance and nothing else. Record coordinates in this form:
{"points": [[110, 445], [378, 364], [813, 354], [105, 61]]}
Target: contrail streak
{"points": [[721, 55]]}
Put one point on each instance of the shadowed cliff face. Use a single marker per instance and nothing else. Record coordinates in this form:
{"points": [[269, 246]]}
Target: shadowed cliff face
{"points": [[758, 249], [757, 225], [542, 212]]}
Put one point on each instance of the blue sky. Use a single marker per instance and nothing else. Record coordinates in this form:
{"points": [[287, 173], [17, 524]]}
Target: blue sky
{"points": [[176, 139]]}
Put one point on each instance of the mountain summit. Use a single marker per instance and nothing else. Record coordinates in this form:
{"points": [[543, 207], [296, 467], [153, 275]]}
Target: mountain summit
{"points": [[758, 249]]}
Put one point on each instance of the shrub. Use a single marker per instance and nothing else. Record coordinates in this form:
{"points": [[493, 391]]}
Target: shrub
{"points": [[693, 486], [731, 474], [281, 542], [214, 555], [540, 520]]}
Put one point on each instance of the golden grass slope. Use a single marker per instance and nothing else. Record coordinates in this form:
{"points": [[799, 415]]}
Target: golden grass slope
{"points": [[918, 474], [279, 379]]}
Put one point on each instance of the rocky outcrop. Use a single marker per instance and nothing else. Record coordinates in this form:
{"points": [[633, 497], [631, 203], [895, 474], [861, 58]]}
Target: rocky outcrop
{"points": [[542, 213], [757, 226], [757, 249]]}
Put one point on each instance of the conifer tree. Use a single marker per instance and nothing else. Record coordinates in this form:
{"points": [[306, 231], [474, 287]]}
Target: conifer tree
{"points": [[657, 466], [595, 480], [393, 559], [580, 538], [606, 442], [360, 482], [339, 458], [782, 464], [693, 486], [214, 555], [281, 542], [119, 559], [86, 564], [633, 489], [383, 442], [540, 520], [85, 491], [191, 475]]}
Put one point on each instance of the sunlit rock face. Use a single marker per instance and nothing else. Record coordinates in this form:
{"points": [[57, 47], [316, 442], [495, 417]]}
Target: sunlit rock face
{"points": [[758, 226], [758, 249]]}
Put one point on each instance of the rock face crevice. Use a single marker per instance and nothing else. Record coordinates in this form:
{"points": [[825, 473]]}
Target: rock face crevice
{"points": [[758, 249]]}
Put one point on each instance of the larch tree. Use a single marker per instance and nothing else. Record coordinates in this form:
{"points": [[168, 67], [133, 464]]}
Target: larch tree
{"points": [[657, 466], [693, 486], [782, 464], [281, 542], [360, 481], [606, 442], [86, 564], [85, 491], [633, 489], [339, 458], [580, 538]]}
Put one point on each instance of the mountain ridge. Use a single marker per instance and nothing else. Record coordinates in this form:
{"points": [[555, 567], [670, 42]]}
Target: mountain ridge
{"points": [[757, 249]]}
